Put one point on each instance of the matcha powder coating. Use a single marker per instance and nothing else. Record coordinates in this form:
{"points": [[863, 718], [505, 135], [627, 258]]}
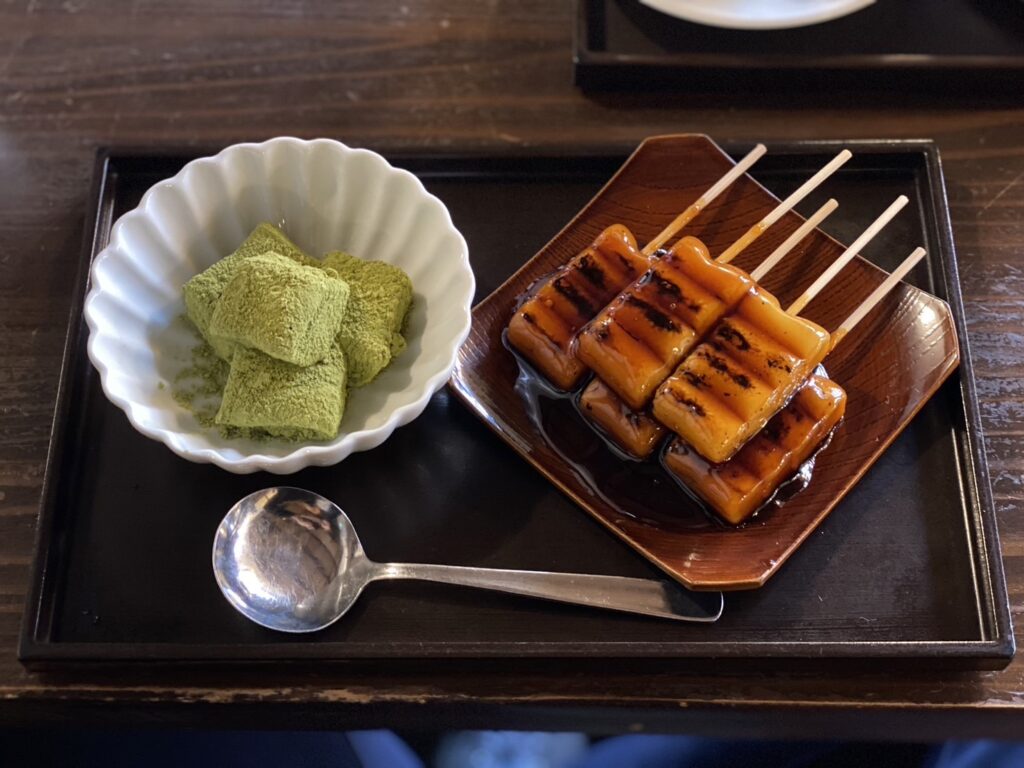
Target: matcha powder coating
{"points": [[281, 308], [291, 401], [381, 295], [198, 386], [203, 292], [284, 341]]}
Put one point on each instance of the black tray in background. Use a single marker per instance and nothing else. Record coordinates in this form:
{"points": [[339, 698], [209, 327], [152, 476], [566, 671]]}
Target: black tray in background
{"points": [[906, 570], [963, 47]]}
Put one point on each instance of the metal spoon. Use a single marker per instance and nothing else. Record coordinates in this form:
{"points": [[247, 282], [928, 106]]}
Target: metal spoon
{"points": [[289, 559]]}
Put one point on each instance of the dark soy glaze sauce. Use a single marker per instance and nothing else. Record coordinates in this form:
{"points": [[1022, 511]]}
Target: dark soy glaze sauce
{"points": [[642, 490]]}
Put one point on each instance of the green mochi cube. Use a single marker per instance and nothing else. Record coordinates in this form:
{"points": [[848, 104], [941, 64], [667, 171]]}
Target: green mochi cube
{"points": [[203, 291], [281, 308], [378, 304], [290, 401]]}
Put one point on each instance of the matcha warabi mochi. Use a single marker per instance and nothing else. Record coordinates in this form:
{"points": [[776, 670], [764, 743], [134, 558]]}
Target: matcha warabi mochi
{"points": [[378, 304], [285, 310], [296, 337], [203, 291], [295, 402]]}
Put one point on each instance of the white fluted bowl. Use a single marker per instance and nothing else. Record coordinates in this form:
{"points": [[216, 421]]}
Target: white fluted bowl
{"points": [[325, 196]]}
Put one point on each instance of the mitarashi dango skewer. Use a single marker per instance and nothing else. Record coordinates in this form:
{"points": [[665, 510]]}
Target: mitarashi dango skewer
{"points": [[635, 342], [634, 430], [735, 489], [750, 365], [544, 327]]}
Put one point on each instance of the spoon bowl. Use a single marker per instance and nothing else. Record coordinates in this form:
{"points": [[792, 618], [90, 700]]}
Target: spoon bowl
{"points": [[290, 560]]}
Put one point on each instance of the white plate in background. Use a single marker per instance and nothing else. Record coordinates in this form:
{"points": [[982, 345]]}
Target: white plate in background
{"points": [[758, 14]]}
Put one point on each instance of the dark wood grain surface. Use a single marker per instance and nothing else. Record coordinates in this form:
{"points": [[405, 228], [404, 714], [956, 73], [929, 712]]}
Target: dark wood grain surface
{"points": [[77, 74]]}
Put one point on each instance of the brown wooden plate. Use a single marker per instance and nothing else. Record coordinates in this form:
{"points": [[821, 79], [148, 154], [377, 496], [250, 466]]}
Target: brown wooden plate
{"points": [[889, 365]]}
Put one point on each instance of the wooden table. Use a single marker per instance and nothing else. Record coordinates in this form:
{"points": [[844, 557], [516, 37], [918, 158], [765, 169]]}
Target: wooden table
{"points": [[432, 75]]}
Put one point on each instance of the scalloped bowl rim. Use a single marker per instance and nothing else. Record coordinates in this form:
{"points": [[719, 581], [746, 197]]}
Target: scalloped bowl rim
{"points": [[305, 455]]}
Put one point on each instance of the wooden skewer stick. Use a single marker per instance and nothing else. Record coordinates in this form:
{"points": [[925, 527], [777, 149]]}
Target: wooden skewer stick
{"points": [[705, 200], [784, 207], [877, 295], [791, 242], [847, 256]]}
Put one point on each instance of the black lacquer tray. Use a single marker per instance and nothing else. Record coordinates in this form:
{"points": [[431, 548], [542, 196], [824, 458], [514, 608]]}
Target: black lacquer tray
{"points": [[952, 47], [905, 571]]}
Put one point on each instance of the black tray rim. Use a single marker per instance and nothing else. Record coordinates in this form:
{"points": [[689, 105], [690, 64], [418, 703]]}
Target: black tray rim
{"points": [[994, 650], [594, 67]]}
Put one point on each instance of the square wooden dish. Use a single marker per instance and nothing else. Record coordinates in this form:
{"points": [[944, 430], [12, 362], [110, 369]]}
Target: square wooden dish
{"points": [[889, 365]]}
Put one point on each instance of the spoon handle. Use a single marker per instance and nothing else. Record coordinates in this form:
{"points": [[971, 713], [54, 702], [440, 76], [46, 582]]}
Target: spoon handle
{"points": [[617, 593]]}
